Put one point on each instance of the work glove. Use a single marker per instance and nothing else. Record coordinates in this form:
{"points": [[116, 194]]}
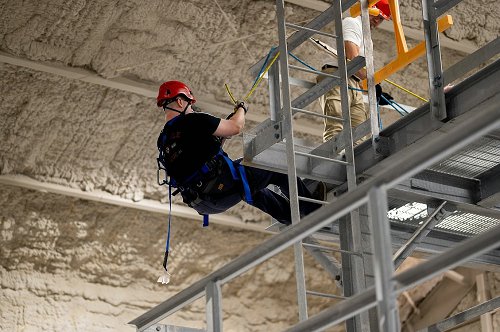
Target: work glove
{"points": [[236, 106], [382, 101], [242, 105]]}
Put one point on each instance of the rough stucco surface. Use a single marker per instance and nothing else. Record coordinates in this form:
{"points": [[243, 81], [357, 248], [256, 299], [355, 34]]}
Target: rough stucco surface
{"points": [[75, 265]]}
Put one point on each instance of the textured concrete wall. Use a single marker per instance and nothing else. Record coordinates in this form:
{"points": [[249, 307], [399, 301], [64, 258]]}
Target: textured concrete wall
{"points": [[75, 265]]}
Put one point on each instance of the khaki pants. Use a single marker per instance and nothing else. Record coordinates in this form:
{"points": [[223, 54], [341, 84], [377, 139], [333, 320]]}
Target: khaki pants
{"points": [[330, 103]]}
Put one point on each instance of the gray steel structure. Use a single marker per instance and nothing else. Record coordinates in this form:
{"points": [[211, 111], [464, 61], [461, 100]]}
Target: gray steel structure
{"points": [[445, 154]]}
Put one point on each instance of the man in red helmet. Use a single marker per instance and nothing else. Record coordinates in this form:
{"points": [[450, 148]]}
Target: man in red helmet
{"points": [[190, 152], [354, 46]]}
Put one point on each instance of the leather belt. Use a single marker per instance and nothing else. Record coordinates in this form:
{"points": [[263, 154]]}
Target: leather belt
{"points": [[327, 66]]}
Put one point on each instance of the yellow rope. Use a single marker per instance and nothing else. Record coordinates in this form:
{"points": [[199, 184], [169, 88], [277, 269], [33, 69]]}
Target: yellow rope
{"points": [[405, 90], [276, 57], [261, 77], [229, 93], [256, 82]]}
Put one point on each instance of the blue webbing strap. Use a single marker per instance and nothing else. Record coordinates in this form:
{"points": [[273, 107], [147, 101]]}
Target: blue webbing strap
{"points": [[167, 247], [205, 220], [229, 163], [242, 176], [246, 186]]}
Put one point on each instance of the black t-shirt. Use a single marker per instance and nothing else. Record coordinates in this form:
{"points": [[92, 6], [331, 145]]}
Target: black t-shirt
{"points": [[188, 143]]}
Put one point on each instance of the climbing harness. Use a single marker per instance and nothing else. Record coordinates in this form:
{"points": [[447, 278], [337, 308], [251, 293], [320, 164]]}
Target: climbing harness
{"points": [[200, 180]]}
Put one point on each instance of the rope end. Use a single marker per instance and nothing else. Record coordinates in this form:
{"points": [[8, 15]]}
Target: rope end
{"points": [[164, 278]]}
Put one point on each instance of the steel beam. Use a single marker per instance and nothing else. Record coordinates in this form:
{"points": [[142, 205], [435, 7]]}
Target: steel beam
{"points": [[438, 241], [442, 6], [490, 188], [172, 328], [424, 229], [472, 61], [443, 186], [107, 198], [328, 262], [435, 243], [464, 316], [476, 92]]}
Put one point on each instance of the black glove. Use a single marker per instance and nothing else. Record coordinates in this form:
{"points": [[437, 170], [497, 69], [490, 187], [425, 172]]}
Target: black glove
{"points": [[242, 105], [238, 105], [380, 94]]}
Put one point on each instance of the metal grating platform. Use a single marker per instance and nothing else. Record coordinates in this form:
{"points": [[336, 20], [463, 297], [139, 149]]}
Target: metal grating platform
{"points": [[459, 223], [473, 161], [467, 223]]}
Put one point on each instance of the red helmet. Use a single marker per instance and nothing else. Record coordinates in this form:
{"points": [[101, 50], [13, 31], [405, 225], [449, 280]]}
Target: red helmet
{"points": [[383, 7], [171, 89]]}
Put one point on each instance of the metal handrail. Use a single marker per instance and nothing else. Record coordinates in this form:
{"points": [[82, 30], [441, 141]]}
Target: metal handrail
{"points": [[429, 151]]}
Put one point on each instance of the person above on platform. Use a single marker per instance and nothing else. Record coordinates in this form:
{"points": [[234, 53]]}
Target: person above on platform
{"points": [[354, 46], [190, 152]]}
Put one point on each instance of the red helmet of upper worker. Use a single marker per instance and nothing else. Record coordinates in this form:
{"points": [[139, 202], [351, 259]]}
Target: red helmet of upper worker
{"points": [[171, 89], [385, 10]]}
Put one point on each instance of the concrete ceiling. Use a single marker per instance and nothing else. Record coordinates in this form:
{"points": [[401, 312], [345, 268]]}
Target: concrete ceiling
{"points": [[77, 78], [77, 118]]}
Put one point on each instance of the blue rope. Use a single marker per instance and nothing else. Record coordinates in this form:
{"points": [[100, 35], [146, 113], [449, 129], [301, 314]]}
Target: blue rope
{"points": [[167, 247], [302, 62], [356, 89], [401, 110], [379, 118], [263, 65]]}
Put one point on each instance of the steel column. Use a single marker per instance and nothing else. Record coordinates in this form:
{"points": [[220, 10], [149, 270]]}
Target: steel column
{"points": [[353, 274], [290, 147], [370, 69], [382, 260], [435, 68], [275, 92], [214, 306]]}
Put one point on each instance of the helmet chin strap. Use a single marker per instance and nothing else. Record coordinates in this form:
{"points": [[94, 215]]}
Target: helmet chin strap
{"points": [[165, 107]]}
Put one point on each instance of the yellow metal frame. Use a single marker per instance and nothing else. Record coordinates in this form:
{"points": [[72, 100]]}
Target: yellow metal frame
{"points": [[404, 56]]}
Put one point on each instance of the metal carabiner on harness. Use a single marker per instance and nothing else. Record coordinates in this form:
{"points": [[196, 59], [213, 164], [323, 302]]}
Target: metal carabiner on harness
{"points": [[164, 181]]}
